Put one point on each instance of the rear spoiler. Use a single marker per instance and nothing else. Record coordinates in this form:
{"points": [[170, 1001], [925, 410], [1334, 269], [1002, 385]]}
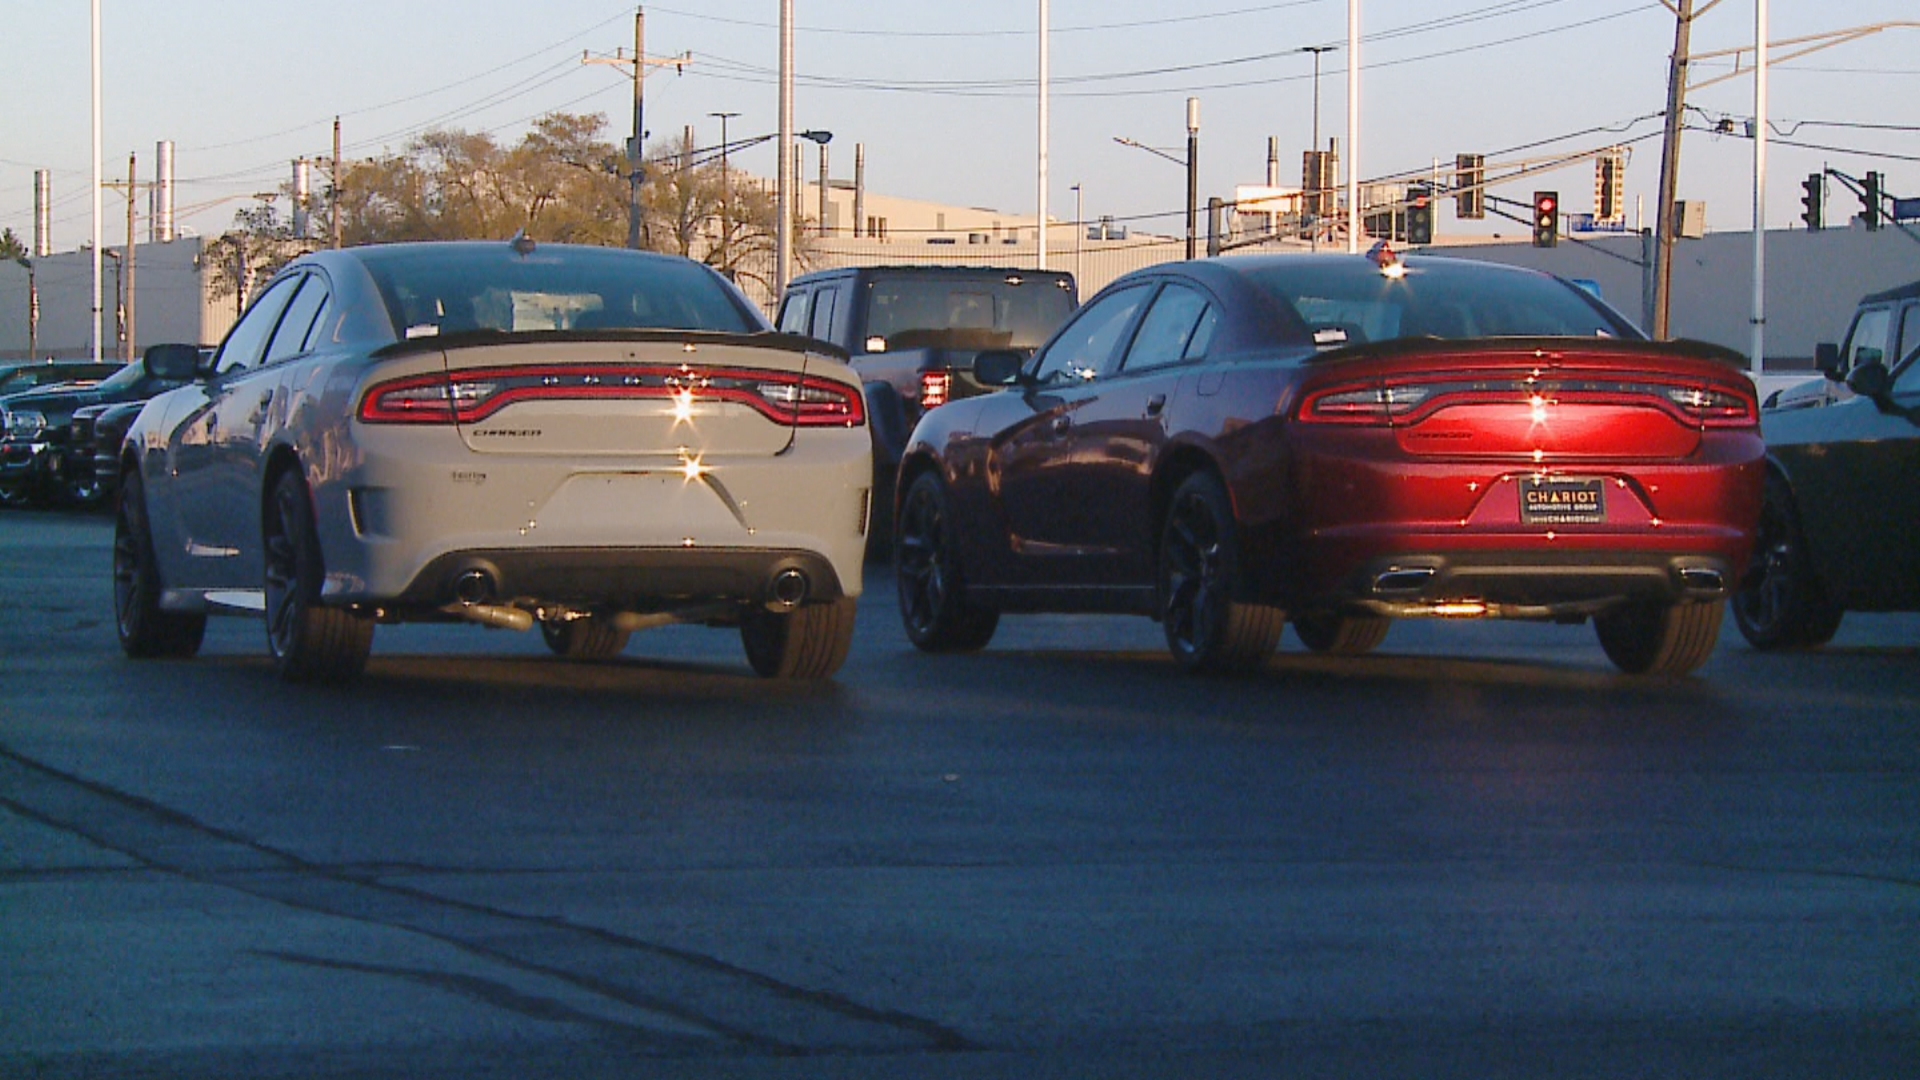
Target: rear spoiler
{"points": [[769, 339], [1683, 347]]}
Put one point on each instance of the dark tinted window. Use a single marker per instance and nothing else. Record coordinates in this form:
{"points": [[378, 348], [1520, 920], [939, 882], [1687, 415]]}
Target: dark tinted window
{"points": [[1177, 327], [918, 311], [1353, 301], [297, 323], [445, 289], [248, 337], [1084, 350], [793, 311]]}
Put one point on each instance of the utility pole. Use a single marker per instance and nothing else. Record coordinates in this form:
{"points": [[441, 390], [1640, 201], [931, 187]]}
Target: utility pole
{"points": [[726, 222], [333, 189], [636, 161], [1663, 223], [133, 188]]}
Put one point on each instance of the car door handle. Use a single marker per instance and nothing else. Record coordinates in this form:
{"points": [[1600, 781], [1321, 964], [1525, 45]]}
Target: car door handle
{"points": [[1062, 424], [1156, 403]]}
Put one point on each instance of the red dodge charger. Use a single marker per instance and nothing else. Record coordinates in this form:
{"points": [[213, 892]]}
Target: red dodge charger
{"points": [[1337, 442]]}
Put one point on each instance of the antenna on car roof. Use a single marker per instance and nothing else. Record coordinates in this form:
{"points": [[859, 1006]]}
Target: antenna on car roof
{"points": [[522, 243]]}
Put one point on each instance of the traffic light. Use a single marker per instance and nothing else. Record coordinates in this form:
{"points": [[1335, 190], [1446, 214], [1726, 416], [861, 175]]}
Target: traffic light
{"points": [[1419, 214], [1546, 218], [1814, 200], [1870, 197], [1469, 176]]}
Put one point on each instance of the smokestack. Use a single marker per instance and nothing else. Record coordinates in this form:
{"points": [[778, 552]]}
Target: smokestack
{"points": [[302, 217], [42, 213], [859, 189], [160, 208], [1273, 162]]}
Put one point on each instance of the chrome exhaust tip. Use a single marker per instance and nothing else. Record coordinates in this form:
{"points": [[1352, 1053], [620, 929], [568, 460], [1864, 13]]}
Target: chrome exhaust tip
{"points": [[1702, 579], [1403, 579], [473, 586], [789, 588]]}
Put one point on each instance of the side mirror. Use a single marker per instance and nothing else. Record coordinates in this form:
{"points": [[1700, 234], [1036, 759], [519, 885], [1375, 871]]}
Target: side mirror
{"points": [[1826, 357], [180, 362], [1870, 380], [998, 367]]}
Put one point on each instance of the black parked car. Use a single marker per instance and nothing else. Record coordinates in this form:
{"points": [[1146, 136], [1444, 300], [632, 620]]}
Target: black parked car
{"points": [[35, 453], [17, 378], [92, 472]]}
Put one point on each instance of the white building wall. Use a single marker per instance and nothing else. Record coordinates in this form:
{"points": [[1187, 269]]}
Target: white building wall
{"points": [[170, 302]]}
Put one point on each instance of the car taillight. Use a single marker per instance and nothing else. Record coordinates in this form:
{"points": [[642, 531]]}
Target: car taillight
{"points": [[468, 397], [1370, 403], [936, 388], [1714, 406]]}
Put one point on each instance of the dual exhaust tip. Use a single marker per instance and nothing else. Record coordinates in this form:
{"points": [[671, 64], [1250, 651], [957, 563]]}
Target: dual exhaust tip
{"points": [[477, 587]]}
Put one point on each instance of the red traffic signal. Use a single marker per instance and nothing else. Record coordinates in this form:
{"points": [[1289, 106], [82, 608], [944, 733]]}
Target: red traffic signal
{"points": [[1546, 218]]}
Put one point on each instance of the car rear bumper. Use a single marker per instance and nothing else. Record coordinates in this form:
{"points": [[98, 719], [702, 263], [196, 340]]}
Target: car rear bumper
{"points": [[1515, 584], [405, 527]]}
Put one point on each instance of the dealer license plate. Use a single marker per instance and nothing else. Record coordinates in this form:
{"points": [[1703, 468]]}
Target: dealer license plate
{"points": [[1560, 500]]}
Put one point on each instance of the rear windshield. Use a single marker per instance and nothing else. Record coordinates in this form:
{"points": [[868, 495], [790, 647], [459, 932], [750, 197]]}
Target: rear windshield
{"points": [[454, 288], [1016, 311], [1353, 302]]}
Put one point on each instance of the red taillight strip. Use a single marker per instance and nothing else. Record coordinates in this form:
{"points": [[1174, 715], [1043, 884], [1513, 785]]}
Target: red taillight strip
{"points": [[1404, 400], [936, 388], [471, 395]]}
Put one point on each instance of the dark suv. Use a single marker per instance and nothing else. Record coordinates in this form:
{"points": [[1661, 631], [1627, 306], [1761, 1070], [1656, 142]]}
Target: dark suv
{"points": [[912, 333]]}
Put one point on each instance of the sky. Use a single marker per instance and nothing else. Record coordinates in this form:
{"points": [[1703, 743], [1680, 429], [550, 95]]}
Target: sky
{"points": [[943, 95]]}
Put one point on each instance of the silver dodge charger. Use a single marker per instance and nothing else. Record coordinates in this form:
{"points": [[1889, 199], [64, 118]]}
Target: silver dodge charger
{"points": [[590, 440]]}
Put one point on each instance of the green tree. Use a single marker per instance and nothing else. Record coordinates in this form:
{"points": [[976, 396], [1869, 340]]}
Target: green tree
{"points": [[10, 246], [253, 250]]}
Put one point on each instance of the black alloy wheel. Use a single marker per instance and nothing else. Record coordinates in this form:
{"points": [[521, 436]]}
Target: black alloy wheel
{"points": [[933, 600], [1207, 628], [1781, 604], [145, 630], [309, 642]]}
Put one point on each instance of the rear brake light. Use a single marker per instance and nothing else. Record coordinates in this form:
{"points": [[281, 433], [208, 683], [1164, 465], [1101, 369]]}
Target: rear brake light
{"points": [[468, 397], [936, 389], [1714, 406], [1368, 404]]}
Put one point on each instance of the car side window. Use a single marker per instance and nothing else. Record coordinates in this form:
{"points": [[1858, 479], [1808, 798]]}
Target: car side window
{"points": [[248, 338], [1176, 328], [1868, 341], [794, 312], [824, 302], [1909, 344], [297, 324], [1085, 349]]}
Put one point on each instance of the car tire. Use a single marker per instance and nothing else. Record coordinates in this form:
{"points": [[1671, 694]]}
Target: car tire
{"points": [[19, 494], [146, 632], [1781, 604], [589, 638], [309, 642], [1208, 628], [934, 606], [809, 642], [1660, 639], [1342, 635]]}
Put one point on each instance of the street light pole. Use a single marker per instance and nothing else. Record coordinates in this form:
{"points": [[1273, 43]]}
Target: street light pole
{"points": [[1353, 127], [1193, 173], [783, 185]]}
